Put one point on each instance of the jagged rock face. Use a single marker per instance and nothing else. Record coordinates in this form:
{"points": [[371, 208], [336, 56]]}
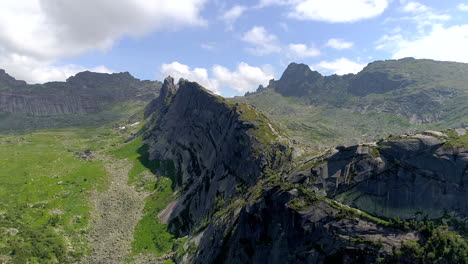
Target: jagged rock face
{"points": [[212, 152], [160, 104], [269, 230], [396, 178], [87, 92]]}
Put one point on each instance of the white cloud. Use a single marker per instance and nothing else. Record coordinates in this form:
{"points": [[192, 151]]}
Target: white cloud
{"points": [[339, 44], [333, 11], [38, 71], [441, 43], [339, 11], [462, 7], [302, 51], [422, 15], [264, 43], [245, 78], [415, 7], [231, 15], [386, 40], [199, 75], [49, 30], [340, 66], [69, 27]]}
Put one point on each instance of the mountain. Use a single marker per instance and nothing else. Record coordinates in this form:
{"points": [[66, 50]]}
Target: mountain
{"points": [[246, 194], [172, 173], [215, 147], [71, 102], [386, 97]]}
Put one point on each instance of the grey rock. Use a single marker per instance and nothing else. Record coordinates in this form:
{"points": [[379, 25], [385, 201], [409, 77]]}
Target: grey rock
{"points": [[210, 147], [411, 175]]}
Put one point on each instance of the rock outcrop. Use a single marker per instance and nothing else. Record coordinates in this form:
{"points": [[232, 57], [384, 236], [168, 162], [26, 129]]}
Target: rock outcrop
{"points": [[211, 146], [407, 177], [272, 230]]}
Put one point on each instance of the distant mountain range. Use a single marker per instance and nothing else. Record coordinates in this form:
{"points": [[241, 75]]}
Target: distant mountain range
{"points": [[386, 97], [85, 99]]}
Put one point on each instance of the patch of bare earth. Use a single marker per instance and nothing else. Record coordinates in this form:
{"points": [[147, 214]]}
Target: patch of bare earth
{"points": [[114, 216]]}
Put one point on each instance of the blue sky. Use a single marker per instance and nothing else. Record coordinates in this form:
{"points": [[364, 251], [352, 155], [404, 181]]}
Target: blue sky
{"points": [[228, 46]]}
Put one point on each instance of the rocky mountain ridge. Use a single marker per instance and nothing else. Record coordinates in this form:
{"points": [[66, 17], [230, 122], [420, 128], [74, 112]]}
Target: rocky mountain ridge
{"points": [[245, 198], [210, 148]]}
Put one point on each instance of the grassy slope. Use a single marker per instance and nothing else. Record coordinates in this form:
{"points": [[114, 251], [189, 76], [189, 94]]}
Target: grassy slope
{"points": [[15, 123], [321, 126], [44, 188]]}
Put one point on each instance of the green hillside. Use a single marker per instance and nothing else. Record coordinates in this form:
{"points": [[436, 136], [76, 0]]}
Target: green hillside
{"points": [[386, 97]]}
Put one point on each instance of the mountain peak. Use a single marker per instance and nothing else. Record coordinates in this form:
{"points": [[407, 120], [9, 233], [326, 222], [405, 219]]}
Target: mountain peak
{"points": [[86, 77], [299, 70], [296, 79]]}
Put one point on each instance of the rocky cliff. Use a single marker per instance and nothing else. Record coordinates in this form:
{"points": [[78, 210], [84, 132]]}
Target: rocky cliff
{"points": [[412, 176], [87, 92], [212, 147], [245, 196]]}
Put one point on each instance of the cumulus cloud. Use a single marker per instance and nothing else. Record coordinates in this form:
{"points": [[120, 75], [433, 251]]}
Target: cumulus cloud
{"points": [[441, 43], [333, 11], [339, 44], [302, 51], [49, 30], [199, 75], [245, 78], [69, 27], [423, 15], [462, 7], [415, 7], [340, 66], [33, 70], [231, 15], [263, 42]]}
